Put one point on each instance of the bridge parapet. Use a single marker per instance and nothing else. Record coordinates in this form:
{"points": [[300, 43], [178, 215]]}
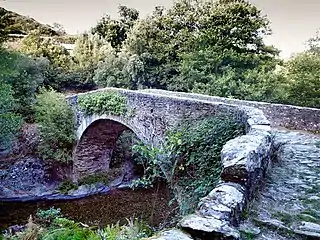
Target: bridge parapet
{"points": [[280, 115]]}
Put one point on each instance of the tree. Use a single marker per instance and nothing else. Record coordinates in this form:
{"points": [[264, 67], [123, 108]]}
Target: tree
{"points": [[90, 49], [313, 43], [303, 76], [36, 46], [224, 34], [24, 75], [112, 72], [115, 31]]}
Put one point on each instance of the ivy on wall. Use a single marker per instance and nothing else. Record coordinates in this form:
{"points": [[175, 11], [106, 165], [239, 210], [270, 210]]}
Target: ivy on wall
{"points": [[103, 103], [189, 159]]}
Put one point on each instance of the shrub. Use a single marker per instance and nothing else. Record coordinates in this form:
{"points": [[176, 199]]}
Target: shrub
{"points": [[66, 186], [303, 74], [196, 157], [9, 122], [56, 121], [103, 103]]}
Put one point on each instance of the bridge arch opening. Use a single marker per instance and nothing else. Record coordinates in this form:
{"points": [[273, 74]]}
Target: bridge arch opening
{"points": [[105, 148]]}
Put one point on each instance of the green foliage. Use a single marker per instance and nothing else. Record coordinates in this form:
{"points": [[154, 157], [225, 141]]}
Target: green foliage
{"points": [[134, 230], [230, 33], [24, 75], [51, 225], [115, 31], [303, 74], [103, 103], [112, 72], [9, 121], [56, 121], [105, 178], [36, 46], [189, 159], [61, 70], [49, 215], [67, 185], [89, 50], [149, 157]]}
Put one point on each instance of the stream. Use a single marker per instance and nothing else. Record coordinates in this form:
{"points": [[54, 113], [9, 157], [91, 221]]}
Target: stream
{"points": [[151, 205]]}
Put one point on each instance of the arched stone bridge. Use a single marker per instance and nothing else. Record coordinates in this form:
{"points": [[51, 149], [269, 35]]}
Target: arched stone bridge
{"points": [[150, 113], [148, 116], [245, 159]]}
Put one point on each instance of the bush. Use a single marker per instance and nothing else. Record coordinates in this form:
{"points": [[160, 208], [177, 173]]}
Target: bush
{"points": [[57, 126], [9, 122], [48, 216], [103, 103]]}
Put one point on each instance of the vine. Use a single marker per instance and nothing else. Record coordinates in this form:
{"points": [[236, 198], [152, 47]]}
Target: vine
{"points": [[103, 103], [189, 158]]}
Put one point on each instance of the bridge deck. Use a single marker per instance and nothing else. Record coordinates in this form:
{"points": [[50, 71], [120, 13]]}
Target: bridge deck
{"points": [[289, 205]]}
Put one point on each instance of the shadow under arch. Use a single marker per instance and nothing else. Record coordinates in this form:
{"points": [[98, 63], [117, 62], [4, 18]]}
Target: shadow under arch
{"points": [[95, 147]]}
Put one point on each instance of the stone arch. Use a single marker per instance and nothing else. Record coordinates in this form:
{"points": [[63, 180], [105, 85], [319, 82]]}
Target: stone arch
{"points": [[96, 144]]}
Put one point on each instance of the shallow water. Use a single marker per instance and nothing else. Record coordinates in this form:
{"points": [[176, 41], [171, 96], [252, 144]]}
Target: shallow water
{"points": [[149, 204]]}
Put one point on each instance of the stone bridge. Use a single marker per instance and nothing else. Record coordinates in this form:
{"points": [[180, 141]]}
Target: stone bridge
{"points": [[148, 115], [245, 159]]}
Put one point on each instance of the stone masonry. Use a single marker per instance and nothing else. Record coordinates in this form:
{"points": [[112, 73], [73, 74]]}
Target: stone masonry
{"points": [[280, 115], [148, 116]]}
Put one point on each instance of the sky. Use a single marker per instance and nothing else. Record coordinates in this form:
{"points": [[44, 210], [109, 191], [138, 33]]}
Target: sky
{"points": [[292, 21]]}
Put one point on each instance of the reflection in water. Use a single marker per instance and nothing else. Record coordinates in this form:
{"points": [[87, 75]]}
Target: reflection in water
{"points": [[149, 204]]}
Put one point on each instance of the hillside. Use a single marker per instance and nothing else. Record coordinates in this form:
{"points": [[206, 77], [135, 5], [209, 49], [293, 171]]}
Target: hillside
{"points": [[18, 24]]}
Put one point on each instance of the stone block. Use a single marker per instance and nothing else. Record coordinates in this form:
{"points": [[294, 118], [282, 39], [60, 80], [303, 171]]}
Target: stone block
{"points": [[173, 234], [244, 159], [206, 228], [225, 202]]}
